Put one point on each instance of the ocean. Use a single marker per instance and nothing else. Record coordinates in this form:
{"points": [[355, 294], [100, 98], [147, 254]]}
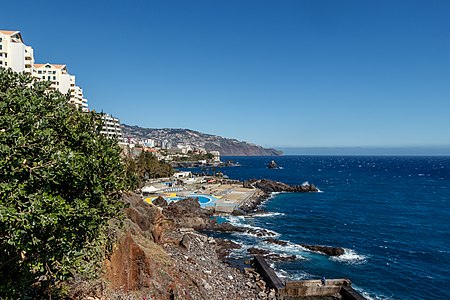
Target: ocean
{"points": [[390, 214]]}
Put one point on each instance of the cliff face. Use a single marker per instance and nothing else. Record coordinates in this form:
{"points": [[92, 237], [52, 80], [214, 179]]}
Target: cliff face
{"points": [[226, 146], [159, 256]]}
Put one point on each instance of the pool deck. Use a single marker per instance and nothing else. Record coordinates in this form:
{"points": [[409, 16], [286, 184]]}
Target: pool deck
{"points": [[229, 196]]}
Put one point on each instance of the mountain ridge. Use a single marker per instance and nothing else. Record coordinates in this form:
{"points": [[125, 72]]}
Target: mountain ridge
{"points": [[210, 142]]}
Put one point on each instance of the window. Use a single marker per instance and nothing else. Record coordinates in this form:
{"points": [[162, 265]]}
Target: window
{"points": [[54, 77], [1, 47], [39, 72]]}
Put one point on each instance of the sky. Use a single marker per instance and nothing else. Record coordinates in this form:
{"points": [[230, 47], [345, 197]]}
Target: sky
{"points": [[313, 73]]}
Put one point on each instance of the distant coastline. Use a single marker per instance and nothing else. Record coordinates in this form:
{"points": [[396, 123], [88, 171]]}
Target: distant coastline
{"points": [[366, 151]]}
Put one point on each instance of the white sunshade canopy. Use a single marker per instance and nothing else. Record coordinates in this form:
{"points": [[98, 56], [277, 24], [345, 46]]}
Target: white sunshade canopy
{"points": [[149, 189]]}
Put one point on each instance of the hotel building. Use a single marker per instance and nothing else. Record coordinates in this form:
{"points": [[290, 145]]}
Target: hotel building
{"points": [[111, 127], [14, 54], [62, 81], [17, 56]]}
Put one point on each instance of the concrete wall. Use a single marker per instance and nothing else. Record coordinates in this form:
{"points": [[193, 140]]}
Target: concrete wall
{"points": [[305, 288], [348, 293], [16, 57], [224, 208], [64, 83], [267, 273]]}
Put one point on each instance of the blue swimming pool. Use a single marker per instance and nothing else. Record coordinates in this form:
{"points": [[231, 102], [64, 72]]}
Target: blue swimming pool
{"points": [[205, 200]]}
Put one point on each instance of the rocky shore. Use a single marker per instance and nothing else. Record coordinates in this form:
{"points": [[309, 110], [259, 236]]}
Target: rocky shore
{"points": [[266, 187], [164, 252]]}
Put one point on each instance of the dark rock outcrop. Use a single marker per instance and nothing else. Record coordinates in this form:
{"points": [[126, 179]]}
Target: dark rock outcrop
{"points": [[275, 241], [148, 218], [227, 227], [188, 214], [257, 251], [331, 251], [224, 247], [271, 256], [272, 165], [160, 201], [271, 186]]}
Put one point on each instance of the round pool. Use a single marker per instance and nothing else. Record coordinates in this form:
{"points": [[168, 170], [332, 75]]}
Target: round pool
{"points": [[202, 199]]}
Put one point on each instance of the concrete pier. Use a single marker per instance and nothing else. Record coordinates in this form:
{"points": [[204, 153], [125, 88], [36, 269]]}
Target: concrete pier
{"points": [[305, 288], [267, 273]]}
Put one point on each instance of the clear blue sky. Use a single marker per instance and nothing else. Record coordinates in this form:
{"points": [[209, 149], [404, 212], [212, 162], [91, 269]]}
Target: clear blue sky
{"points": [[277, 73]]}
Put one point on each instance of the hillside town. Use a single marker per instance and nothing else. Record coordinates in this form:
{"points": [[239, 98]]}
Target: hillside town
{"points": [[19, 57]]}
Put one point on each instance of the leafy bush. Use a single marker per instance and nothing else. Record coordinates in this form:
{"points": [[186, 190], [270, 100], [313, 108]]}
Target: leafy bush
{"points": [[148, 166], [59, 187]]}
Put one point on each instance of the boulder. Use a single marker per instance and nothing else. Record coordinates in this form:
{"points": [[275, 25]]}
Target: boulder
{"points": [[275, 241], [188, 213], [331, 251], [224, 247], [160, 201]]}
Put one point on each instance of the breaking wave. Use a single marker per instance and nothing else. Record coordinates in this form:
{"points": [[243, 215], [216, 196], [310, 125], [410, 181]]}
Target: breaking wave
{"points": [[350, 257], [266, 215]]}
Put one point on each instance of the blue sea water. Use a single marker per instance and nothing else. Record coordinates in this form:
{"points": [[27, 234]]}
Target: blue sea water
{"points": [[390, 214]]}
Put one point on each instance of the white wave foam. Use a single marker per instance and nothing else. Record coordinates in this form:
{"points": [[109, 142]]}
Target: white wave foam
{"points": [[370, 296], [351, 257], [305, 183], [239, 221], [235, 220], [260, 235], [268, 214], [300, 275], [282, 274], [319, 191]]}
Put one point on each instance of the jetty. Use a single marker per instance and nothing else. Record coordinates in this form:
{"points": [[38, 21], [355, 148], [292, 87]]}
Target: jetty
{"points": [[311, 289]]}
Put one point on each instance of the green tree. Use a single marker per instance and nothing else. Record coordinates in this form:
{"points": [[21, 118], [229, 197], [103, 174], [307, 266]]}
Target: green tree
{"points": [[133, 180], [148, 166], [60, 182]]}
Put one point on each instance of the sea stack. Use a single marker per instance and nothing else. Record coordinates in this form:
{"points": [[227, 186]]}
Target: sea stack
{"points": [[272, 165]]}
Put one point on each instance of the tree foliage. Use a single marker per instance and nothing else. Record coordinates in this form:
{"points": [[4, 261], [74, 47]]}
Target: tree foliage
{"points": [[59, 185], [144, 167]]}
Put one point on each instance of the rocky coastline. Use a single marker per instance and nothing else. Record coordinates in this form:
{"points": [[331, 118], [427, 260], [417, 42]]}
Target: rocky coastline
{"points": [[166, 251], [266, 188]]}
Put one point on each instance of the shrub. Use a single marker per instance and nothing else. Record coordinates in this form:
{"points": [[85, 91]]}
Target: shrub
{"points": [[59, 186]]}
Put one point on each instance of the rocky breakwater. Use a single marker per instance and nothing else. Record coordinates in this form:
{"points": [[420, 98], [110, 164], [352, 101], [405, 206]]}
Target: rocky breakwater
{"points": [[266, 188]]}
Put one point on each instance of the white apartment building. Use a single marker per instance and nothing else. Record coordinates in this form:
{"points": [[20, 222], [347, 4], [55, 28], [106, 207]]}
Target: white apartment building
{"points": [[17, 56], [62, 81], [14, 54], [111, 127]]}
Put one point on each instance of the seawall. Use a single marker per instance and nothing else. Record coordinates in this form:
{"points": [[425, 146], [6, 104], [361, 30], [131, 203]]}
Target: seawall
{"points": [[305, 288]]}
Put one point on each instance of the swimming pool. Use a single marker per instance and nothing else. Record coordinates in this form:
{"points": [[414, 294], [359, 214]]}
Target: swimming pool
{"points": [[204, 200]]}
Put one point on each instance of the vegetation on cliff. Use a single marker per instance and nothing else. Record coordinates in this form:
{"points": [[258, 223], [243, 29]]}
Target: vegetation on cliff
{"points": [[60, 181], [144, 167]]}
